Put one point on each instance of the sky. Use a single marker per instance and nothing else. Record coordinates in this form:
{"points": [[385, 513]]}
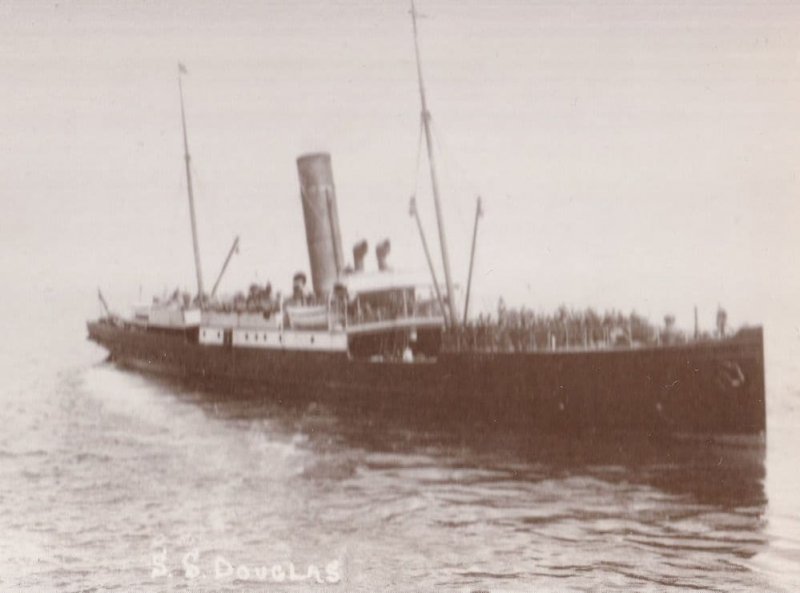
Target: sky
{"points": [[637, 155]]}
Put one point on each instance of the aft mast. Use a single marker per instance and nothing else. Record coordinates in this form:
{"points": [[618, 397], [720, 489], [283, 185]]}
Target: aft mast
{"points": [[200, 293], [426, 121]]}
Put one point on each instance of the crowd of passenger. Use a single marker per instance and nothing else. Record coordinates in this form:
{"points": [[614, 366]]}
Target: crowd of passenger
{"points": [[525, 330], [511, 330]]}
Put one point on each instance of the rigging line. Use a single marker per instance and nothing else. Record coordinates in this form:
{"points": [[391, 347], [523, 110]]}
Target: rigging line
{"points": [[198, 183], [448, 173], [197, 180], [419, 156], [446, 153]]}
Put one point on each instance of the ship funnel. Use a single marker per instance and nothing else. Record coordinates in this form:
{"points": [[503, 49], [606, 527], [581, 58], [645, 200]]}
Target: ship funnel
{"points": [[359, 253], [322, 220], [382, 252]]}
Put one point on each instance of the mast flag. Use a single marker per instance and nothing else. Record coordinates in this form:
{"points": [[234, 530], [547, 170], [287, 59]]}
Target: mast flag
{"points": [[195, 245]]}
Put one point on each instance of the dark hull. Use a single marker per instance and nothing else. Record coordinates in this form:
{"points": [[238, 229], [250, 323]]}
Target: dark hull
{"points": [[706, 388]]}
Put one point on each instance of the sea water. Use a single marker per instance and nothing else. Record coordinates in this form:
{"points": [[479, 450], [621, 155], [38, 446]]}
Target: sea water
{"points": [[114, 481]]}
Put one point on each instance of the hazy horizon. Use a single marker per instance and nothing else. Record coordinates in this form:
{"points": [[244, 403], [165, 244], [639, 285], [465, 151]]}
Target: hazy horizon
{"points": [[630, 155]]}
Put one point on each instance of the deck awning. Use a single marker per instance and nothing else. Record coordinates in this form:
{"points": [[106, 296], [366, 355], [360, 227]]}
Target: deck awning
{"points": [[368, 282]]}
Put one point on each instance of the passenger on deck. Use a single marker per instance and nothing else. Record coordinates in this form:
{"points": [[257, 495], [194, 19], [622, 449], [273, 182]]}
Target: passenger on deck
{"points": [[299, 288]]}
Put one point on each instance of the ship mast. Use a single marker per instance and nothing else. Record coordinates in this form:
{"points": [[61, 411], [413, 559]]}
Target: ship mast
{"points": [[426, 124], [182, 70]]}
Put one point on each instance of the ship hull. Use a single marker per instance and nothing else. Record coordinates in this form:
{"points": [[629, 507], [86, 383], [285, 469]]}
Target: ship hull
{"points": [[702, 389]]}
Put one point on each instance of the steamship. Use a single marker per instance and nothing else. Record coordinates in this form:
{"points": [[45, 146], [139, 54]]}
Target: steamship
{"points": [[394, 342]]}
